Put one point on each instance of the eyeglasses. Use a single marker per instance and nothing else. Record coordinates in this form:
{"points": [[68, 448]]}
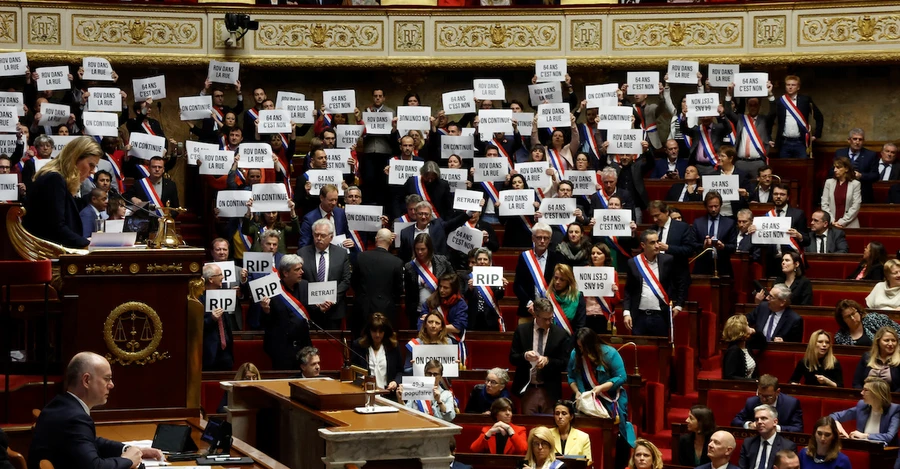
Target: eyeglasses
{"points": [[491, 382], [765, 398], [540, 444]]}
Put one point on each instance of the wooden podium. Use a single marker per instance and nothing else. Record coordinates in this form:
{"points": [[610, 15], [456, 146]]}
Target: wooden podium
{"points": [[263, 414]]}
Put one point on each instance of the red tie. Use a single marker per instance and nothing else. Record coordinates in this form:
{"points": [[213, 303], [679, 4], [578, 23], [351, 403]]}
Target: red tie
{"points": [[328, 216], [221, 333]]}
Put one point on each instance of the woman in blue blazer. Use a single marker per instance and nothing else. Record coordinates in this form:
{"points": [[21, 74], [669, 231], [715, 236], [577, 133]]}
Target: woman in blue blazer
{"points": [[876, 398]]}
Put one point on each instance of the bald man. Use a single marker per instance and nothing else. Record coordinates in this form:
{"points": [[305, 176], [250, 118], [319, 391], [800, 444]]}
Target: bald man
{"points": [[378, 281], [721, 445], [64, 433], [787, 459]]}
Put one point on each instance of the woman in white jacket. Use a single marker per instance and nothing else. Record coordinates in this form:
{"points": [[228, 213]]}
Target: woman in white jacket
{"points": [[841, 197]]}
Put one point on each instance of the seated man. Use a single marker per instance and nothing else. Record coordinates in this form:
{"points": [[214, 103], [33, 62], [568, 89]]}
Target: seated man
{"points": [[775, 319], [768, 392], [823, 239], [64, 433], [309, 360], [95, 210], [721, 445], [760, 451]]}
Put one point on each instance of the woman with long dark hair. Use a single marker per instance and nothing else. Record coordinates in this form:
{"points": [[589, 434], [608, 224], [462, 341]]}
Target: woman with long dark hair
{"points": [[378, 345], [692, 446], [871, 267], [856, 326]]}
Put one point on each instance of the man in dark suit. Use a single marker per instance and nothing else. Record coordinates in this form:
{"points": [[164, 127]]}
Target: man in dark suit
{"points": [[523, 284], [163, 189], [287, 331], [269, 242], [647, 313], [744, 241], [721, 445], [95, 210], [793, 135], [541, 366], [700, 155], [760, 451], [674, 237], [775, 319], [437, 189], [434, 226], [864, 161], [632, 169], [64, 433], [218, 341], [768, 392], [786, 459], [823, 239], [714, 231], [799, 228], [753, 130], [209, 125], [328, 209], [761, 189], [686, 191], [377, 282], [327, 263], [671, 167], [885, 169]]}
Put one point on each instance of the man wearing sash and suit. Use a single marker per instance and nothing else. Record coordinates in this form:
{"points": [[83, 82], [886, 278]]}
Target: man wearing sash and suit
{"points": [[753, 130], [252, 114], [799, 232], [795, 136], [539, 352], [144, 124], [210, 125], [654, 290], [154, 188], [286, 317], [427, 222], [534, 271]]}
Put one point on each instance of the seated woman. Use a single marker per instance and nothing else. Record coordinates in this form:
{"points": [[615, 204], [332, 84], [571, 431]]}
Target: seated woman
{"points": [[245, 372], [646, 456], [692, 446], [116, 209], [886, 294], [540, 451], [871, 267], [819, 367], [568, 440], [792, 276], [600, 310], [503, 437], [447, 302], [378, 344], [876, 418], [575, 249], [433, 331], [484, 302], [824, 449], [484, 395], [856, 326], [881, 361], [566, 293], [442, 404], [737, 363]]}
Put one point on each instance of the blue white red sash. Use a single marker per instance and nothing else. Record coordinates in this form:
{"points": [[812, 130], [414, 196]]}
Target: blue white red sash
{"points": [[404, 218], [499, 145], [650, 278], [602, 198], [246, 240], [425, 407], [239, 176], [555, 464], [145, 173], [534, 268], [419, 187], [556, 161], [733, 134], [327, 119], [614, 243], [284, 141], [751, 134], [794, 243], [591, 139], [590, 376], [460, 339], [223, 143], [607, 310], [357, 241], [491, 190], [687, 138], [151, 194], [441, 131], [117, 172], [487, 294], [147, 128], [427, 276], [647, 128], [794, 111], [412, 343], [220, 116], [706, 145], [293, 305], [253, 113]]}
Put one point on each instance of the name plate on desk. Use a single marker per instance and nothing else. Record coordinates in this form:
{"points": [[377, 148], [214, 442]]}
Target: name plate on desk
{"points": [[327, 394]]}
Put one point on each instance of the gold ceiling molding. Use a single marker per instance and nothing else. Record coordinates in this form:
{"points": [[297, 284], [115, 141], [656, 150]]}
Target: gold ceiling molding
{"points": [[862, 29], [321, 36], [409, 36], [8, 27], [113, 30], [494, 35], [684, 33], [586, 35], [769, 31], [43, 29]]}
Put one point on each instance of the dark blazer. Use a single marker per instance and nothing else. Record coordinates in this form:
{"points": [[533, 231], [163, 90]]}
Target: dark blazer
{"points": [[65, 435], [392, 356], [338, 216], [638, 169], [4, 445], [438, 228], [746, 245], [801, 290], [799, 223], [790, 415], [378, 283], [285, 332], [790, 326], [679, 241], [734, 366], [212, 348], [835, 242], [806, 106], [862, 372], [866, 162], [338, 270], [751, 447], [460, 260], [169, 193], [661, 168], [875, 273], [686, 450], [51, 212], [557, 352], [675, 192], [523, 284], [888, 426], [894, 194], [438, 190], [871, 175], [439, 266], [672, 283], [459, 465], [88, 216], [726, 232], [718, 131]]}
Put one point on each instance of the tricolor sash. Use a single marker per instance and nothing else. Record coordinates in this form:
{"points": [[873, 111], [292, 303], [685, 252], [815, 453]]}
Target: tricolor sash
{"points": [[151, 194], [614, 243], [459, 338], [425, 407], [428, 278], [404, 218], [419, 187], [602, 198], [706, 145], [794, 111], [608, 311], [491, 190], [650, 278], [220, 116], [146, 125], [357, 241], [145, 173], [284, 141], [534, 268], [687, 138], [487, 294], [591, 139], [794, 243], [239, 176], [412, 343], [326, 119], [733, 134], [246, 240], [293, 305], [117, 172], [590, 378], [556, 161], [502, 151], [752, 135], [253, 113]]}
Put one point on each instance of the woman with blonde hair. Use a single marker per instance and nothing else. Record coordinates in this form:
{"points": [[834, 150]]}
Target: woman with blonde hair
{"points": [[886, 294], [819, 367], [570, 300], [646, 456], [737, 363], [51, 212], [540, 454], [433, 331], [875, 416], [881, 361], [246, 372]]}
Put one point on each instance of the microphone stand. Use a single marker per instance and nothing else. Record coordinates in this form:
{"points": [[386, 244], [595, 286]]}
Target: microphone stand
{"points": [[715, 257], [347, 371], [636, 371]]}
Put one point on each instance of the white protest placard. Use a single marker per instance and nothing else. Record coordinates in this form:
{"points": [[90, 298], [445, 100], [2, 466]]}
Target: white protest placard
{"points": [[462, 146], [13, 64], [16, 100], [8, 119], [270, 198], [417, 388], [517, 202], [487, 276], [467, 131], [348, 135], [100, 124], [751, 85], [287, 96], [595, 281], [465, 239], [413, 118], [221, 299], [491, 121], [195, 107], [224, 72], [114, 226], [338, 159], [264, 287], [255, 155], [524, 123], [467, 200], [104, 99], [599, 96], [615, 117], [455, 177], [216, 162], [301, 112], [275, 121], [59, 142], [447, 355], [9, 187], [53, 78], [398, 227], [726, 185], [490, 169], [378, 123], [97, 69], [8, 144], [232, 204], [339, 101], [491, 89], [259, 262], [703, 104], [642, 83], [458, 102], [54, 114], [553, 115], [323, 177], [550, 70], [364, 217], [771, 230], [194, 150], [722, 75], [545, 92], [609, 222], [557, 211], [401, 170], [338, 240], [321, 292], [585, 182], [39, 163], [146, 146], [624, 142], [230, 274], [151, 87], [683, 71], [535, 173]]}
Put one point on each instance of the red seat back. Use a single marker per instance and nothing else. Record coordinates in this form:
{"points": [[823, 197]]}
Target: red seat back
{"points": [[726, 404], [252, 351]]}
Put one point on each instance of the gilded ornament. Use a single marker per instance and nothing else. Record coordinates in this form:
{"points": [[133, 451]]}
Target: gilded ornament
{"points": [[72, 269], [498, 35], [676, 33], [825, 29], [134, 268], [770, 31], [275, 35], [30, 247], [409, 36], [97, 268], [8, 34], [173, 267], [587, 35], [132, 333], [866, 26], [533, 35], [137, 32], [718, 32], [195, 267], [43, 28]]}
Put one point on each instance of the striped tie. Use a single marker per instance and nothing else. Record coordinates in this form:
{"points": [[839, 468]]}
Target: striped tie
{"points": [[321, 272]]}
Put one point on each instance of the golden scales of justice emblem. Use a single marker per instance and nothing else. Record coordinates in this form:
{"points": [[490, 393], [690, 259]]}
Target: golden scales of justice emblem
{"points": [[132, 333]]}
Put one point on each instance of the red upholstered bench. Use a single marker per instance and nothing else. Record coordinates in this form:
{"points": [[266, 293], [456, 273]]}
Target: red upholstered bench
{"points": [[210, 396], [251, 351], [726, 404], [779, 364]]}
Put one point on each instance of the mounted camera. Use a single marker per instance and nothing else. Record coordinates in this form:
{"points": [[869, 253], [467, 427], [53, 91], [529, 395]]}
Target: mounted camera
{"points": [[237, 25]]}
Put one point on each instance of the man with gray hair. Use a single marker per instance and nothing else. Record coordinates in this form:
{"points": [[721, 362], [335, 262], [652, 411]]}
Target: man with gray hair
{"points": [[218, 341], [327, 263], [534, 271], [885, 169], [428, 185], [377, 282], [309, 360], [428, 222], [759, 452], [286, 316], [775, 319], [863, 160]]}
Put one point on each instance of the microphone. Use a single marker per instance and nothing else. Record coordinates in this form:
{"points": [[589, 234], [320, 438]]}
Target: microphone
{"points": [[148, 209], [346, 373]]}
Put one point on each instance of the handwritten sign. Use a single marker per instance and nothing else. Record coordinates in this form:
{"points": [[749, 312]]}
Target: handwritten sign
{"points": [[104, 99], [722, 75], [195, 107], [417, 388], [302, 112], [216, 162], [255, 155], [585, 182], [642, 83], [232, 204], [624, 141], [401, 170], [516, 202], [557, 211], [194, 149], [339, 101], [378, 123], [490, 169], [146, 146], [152, 87], [726, 186], [447, 355], [595, 281], [683, 71], [270, 198], [491, 121], [550, 70], [8, 119], [224, 72], [287, 96], [751, 85], [53, 78], [609, 222], [524, 123], [535, 173], [338, 159], [458, 102], [100, 124], [97, 69], [259, 262], [413, 118], [16, 100], [348, 135], [616, 117], [771, 230], [553, 115], [492, 89], [703, 104], [455, 177], [462, 146], [321, 292], [465, 239], [9, 187], [601, 95], [264, 287], [364, 217], [467, 200], [322, 177], [487, 276], [545, 92], [13, 64], [225, 300], [8, 144]]}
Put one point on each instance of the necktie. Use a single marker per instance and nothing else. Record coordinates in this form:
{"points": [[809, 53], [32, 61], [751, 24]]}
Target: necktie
{"points": [[770, 326], [328, 216], [540, 350], [321, 272], [882, 172], [821, 243], [221, 331], [853, 157], [712, 227], [662, 231], [764, 457]]}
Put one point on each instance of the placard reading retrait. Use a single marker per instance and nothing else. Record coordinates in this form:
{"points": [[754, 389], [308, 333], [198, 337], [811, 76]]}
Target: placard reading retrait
{"points": [[320, 292], [468, 200], [609, 222]]}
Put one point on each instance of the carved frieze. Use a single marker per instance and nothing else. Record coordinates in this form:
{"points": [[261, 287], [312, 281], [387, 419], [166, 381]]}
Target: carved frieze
{"points": [[97, 30], [865, 29], [682, 33], [320, 35], [488, 35]]}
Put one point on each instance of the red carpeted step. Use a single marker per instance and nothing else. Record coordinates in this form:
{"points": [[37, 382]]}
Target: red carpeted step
{"points": [[713, 363]]}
